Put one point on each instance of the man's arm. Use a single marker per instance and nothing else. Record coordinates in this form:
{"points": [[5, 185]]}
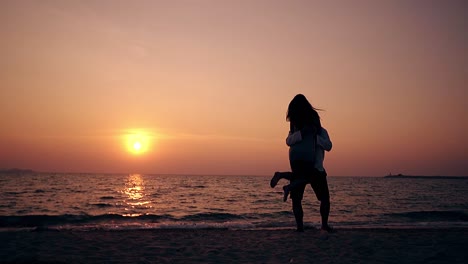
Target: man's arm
{"points": [[323, 140]]}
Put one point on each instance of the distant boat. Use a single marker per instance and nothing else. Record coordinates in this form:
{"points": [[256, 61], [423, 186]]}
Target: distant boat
{"points": [[399, 175]]}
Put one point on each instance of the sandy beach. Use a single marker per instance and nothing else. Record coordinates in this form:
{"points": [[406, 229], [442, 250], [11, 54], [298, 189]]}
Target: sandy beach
{"points": [[241, 246]]}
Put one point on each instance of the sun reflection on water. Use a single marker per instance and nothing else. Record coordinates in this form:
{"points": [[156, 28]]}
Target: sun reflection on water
{"points": [[135, 193]]}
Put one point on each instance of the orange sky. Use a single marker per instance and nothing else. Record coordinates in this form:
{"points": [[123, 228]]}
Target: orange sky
{"points": [[207, 84]]}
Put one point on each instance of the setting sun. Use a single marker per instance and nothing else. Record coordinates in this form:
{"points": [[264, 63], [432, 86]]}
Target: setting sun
{"points": [[137, 142], [137, 146]]}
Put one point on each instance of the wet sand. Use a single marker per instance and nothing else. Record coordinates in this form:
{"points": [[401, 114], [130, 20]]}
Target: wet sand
{"points": [[231, 246]]}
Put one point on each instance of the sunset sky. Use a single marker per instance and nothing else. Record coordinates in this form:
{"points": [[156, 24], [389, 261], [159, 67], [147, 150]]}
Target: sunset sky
{"points": [[202, 87]]}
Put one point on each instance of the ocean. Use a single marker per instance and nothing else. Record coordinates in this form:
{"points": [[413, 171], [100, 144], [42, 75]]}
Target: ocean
{"points": [[53, 201]]}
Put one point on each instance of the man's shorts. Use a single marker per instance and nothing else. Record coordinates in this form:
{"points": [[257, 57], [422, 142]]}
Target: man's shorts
{"points": [[306, 171]]}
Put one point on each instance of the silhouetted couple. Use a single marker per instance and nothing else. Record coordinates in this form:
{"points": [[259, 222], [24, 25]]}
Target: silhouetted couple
{"points": [[307, 141]]}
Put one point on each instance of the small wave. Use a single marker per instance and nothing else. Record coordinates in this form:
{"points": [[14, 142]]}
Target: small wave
{"points": [[150, 226], [101, 205], [13, 193], [22, 211], [212, 217], [274, 215], [78, 191], [433, 215], [107, 197], [188, 186], [31, 220], [39, 191], [261, 201], [55, 220]]}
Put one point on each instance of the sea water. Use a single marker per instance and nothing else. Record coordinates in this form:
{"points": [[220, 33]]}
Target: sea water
{"points": [[141, 201]]}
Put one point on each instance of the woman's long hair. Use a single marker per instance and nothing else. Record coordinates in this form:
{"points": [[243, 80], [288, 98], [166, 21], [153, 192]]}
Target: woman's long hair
{"points": [[301, 113]]}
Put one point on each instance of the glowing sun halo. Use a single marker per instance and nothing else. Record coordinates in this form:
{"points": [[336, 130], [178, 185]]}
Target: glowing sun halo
{"points": [[137, 143]]}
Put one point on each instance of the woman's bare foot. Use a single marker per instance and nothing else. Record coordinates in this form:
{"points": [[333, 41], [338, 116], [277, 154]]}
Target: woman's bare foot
{"points": [[274, 181]]}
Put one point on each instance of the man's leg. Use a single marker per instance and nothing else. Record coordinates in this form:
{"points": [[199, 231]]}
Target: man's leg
{"points": [[320, 186], [325, 212]]}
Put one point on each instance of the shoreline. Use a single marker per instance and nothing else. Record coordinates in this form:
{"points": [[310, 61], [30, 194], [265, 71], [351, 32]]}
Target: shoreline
{"points": [[236, 246], [308, 228]]}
